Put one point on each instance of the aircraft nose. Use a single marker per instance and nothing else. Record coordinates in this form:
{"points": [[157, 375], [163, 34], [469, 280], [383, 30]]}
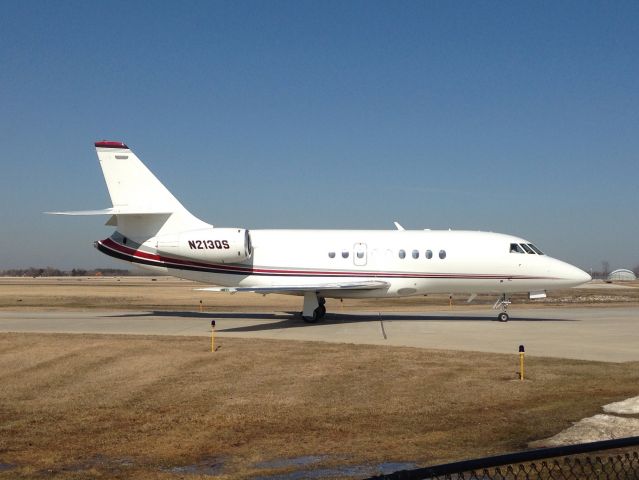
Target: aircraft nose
{"points": [[576, 275], [586, 277]]}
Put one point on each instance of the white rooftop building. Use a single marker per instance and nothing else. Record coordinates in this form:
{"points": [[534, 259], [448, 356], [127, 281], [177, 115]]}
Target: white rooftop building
{"points": [[622, 274]]}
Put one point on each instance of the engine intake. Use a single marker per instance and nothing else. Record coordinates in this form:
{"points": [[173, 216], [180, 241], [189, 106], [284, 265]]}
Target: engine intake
{"points": [[218, 245]]}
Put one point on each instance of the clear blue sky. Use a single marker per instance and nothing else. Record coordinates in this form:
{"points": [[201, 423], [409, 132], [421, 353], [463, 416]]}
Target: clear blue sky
{"points": [[517, 117]]}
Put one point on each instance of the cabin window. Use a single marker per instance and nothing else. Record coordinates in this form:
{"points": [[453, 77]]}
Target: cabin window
{"points": [[442, 254], [514, 248], [402, 254], [429, 254], [345, 254], [331, 254], [360, 254], [537, 251], [527, 248], [415, 253]]}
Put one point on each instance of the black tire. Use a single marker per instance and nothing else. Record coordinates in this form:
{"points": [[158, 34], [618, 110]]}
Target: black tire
{"points": [[312, 319], [503, 317], [322, 311]]}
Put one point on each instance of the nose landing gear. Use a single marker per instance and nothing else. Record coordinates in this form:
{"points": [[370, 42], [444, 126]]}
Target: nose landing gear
{"points": [[502, 302]]}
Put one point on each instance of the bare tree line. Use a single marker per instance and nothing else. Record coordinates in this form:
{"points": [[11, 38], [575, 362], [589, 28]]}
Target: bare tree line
{"points": [[56, 272], [606, 270]]}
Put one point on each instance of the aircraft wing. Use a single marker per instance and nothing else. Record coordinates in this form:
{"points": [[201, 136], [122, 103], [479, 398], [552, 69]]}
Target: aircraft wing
{"points": [[316, 287]]}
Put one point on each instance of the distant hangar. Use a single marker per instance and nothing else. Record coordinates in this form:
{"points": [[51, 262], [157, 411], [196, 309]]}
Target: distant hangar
{"points": [[622, 274]]}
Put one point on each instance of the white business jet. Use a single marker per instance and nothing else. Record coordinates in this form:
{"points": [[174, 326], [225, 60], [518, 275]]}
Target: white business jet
{"points": [[156, 232]]}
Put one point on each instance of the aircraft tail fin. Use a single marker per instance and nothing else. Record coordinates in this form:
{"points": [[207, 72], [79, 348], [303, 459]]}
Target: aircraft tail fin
{"points": [[142, 206], [131, 184]]}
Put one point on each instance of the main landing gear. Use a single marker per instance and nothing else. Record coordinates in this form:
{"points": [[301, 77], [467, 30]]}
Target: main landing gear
{"points": [[502, 302], [314, 308]]}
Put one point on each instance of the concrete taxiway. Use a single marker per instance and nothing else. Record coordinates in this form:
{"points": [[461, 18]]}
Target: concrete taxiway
{"points": [[592, 333]]}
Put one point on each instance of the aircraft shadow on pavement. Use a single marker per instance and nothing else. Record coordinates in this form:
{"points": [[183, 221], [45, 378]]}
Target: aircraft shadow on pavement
{"points": [[209, 315], [294, 320], [282, 320]]}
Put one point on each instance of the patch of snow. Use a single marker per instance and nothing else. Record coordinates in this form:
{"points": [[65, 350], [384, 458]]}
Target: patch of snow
{"points": [[629, 406], [592, 429]]}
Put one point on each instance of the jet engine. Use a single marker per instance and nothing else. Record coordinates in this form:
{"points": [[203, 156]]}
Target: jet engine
{"points": [[217, 245]]}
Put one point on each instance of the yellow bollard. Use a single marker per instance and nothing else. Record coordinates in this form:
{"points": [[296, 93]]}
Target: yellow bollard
{"points": [[212, 335], [521, 362]]}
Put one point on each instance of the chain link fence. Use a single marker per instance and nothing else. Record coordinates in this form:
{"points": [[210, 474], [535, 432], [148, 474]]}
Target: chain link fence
{"points": [[619, 461]]}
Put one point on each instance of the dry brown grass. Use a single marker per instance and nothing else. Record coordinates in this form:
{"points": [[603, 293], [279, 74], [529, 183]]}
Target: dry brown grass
{"points": [[79, 406]]}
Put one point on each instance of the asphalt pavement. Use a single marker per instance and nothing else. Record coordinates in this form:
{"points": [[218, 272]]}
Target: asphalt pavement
{"points": [[589, 333]]}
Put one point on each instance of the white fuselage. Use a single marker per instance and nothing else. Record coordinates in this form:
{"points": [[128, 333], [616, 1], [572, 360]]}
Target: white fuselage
{"points": [[460, 262], [155, 231]]}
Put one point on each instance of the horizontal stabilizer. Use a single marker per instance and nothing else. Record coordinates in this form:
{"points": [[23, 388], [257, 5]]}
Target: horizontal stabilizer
{"points": [[317, 287], [112, 211], [142, 206]]}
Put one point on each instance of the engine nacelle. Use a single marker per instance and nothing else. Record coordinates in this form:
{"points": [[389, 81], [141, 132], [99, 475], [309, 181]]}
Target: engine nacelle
{"points": [[217, 245]]}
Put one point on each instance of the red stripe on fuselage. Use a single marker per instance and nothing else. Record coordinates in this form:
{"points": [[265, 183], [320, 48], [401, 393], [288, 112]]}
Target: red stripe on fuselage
{"points": [[171, 262]]}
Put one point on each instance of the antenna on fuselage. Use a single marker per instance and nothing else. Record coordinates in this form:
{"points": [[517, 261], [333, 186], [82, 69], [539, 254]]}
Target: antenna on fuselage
{"points": [[398, 226]]}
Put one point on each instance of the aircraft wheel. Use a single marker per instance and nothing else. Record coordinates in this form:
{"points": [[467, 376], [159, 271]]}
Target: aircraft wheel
{"points": [[503, 317], [312, 319], [318, 313]]}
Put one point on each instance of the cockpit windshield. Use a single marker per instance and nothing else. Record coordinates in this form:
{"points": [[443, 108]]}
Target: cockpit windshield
{"points": [[537, 251], [525, 248], [515, 248]]}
